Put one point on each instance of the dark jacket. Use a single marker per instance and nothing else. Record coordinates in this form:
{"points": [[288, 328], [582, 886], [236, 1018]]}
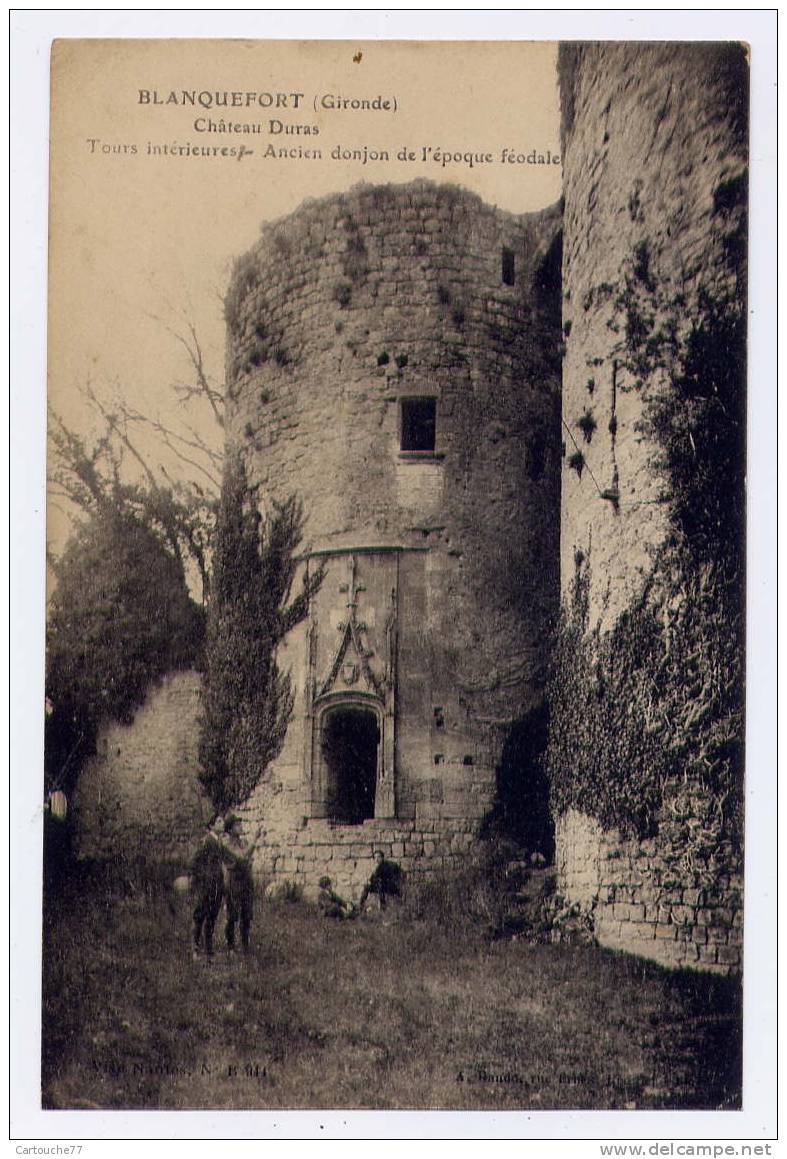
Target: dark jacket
{"points": [[386, 881]]}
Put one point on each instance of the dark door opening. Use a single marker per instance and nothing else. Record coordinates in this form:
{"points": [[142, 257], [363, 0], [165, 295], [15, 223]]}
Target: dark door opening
{"points": [[350, 737]]}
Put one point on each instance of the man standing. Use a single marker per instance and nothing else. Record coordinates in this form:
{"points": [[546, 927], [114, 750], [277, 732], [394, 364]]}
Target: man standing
{"points": [[207, 883], [239, 886]]}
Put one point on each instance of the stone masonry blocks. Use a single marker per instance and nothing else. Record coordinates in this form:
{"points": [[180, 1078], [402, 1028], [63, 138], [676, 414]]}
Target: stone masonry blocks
{"points": [[655, 156], [674, 932], [341, 316], [652, 139]]}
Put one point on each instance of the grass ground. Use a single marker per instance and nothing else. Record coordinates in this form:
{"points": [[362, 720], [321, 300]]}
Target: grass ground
{"points": [[410, 1014]]}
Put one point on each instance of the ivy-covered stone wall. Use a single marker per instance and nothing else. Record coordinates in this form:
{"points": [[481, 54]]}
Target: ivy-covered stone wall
{"points": [[646, 692]]}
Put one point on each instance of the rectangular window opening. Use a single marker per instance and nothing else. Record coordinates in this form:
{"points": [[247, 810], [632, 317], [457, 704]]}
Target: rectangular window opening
{"points": [[509, 267], [419, 424]]}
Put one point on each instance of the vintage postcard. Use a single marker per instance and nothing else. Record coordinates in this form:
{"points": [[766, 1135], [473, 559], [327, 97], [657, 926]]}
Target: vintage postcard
{"points": [[396, 524]]}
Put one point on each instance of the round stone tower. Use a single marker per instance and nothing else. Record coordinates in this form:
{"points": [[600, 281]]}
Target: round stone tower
{"points": [[394, 359], [655, 159], [655, 178]]}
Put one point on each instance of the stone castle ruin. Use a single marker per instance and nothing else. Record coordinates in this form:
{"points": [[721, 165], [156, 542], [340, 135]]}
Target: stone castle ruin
{"points": [[392, 357], [655, 157], [397, 356]]}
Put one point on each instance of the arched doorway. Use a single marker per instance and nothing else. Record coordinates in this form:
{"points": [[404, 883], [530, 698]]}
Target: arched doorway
{"points": [[350, 742]]}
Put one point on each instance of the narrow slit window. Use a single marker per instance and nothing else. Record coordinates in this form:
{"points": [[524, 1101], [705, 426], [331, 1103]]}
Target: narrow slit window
{"points": [[509, 267], [419, 424]]}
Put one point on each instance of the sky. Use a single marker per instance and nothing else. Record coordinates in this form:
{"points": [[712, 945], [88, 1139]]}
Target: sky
{"points": [[143, 233]]}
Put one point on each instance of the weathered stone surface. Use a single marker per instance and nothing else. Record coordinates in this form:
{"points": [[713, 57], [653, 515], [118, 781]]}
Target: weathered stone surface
{"points": [[139, 795], [447, 559], [594, 869], [653, 143], [655, 163]]}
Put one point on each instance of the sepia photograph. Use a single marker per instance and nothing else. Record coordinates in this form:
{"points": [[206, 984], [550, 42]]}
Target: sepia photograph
{"points": [[394, 722]]}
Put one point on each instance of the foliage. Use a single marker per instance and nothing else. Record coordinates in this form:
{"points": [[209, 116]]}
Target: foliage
{"points": [[587, 424], [120, 617], [657, 702], [569, 923], [601, 757], [288, 893], [648, 715], [576, 462], [245, 278], [697, 423], [121, 614], [247, 700], [461, 901], [699, 427], [652, 704]]}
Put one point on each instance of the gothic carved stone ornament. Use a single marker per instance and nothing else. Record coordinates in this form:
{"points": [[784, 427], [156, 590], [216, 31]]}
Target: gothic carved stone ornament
{"points": [[352, 660]]}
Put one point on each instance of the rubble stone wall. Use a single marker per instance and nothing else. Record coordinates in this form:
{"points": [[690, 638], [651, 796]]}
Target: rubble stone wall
{"points": [[139, 793], [642, 902], [422, 848], [655, 152]]}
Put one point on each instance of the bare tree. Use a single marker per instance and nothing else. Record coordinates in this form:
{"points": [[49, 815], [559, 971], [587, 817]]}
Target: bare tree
{"points": [[167, 476]]}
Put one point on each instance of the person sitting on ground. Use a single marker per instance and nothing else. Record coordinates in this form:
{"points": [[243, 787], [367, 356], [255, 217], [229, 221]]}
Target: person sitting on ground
{"points": [[331, 904], [385, 881]]}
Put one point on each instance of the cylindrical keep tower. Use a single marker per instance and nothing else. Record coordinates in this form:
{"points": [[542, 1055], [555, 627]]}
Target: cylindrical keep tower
{"points": [[394, 359]]}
